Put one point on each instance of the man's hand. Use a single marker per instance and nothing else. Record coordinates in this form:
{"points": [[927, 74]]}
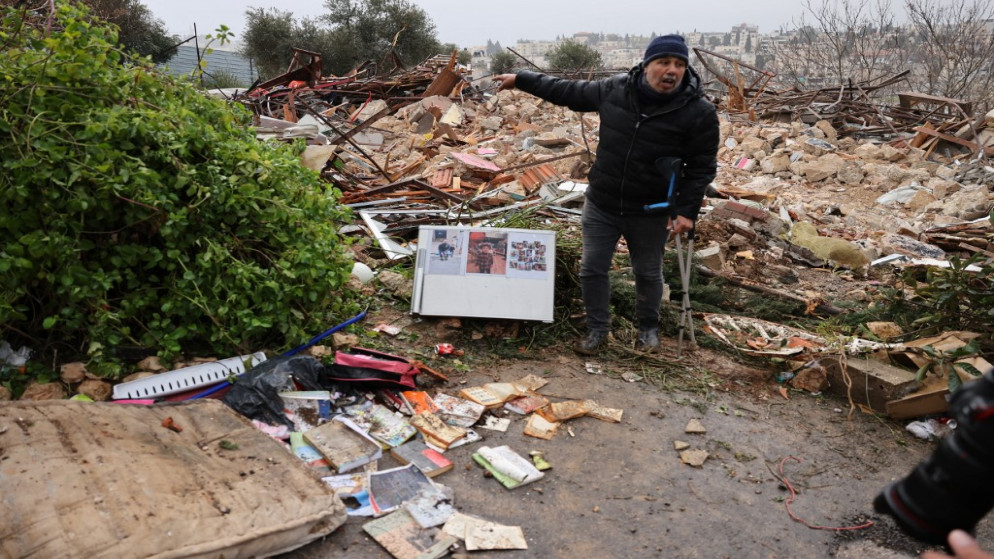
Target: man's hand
{"points": [[506, 81], [682, 225], [963, 545]]}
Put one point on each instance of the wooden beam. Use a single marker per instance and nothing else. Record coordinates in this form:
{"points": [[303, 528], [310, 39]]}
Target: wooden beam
{"points": [[953, 139]]}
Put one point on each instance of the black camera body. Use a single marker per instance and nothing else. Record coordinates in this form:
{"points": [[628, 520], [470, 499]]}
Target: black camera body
{"points": [[954, 487]]}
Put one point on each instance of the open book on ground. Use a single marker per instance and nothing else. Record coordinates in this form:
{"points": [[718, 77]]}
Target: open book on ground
{"points": [[507, 466]]}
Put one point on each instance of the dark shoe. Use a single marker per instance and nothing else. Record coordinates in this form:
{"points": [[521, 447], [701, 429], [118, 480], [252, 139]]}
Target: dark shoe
{"points": [[591, 343], [648, 340]]}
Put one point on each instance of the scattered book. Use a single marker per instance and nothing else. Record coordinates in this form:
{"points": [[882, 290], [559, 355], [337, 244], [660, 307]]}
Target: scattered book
{"points": [[351, 489], [307, 408], [507, 466], [380, 422], [389, 489], [458, 411], [431, 507], [482, 534], [504, 391], [540, 428], [344, 445], [347, 484], [531, 383], [436, 431], [481, 396], [526, 404], [388, 427], [598, 411], [471, 437], [419, 401], [495, 423], [308, 453], [401, 535], [561, 411], [428, 460]]}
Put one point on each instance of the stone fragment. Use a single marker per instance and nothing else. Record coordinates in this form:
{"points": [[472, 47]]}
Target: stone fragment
{"points": [[752, 144], [943, 188], [851, 173], [968, 204], [46, 391], [891, 153], [945, 172], [868, 151], [885, 330], [775, 164], [725, 129], [680, 445], [396, 283], [74, 372], [737, 241], [824, 167], [695, 427], [490, 123], [920, 200], [826, 127], [368, 110], [319, 351], [812, 378], [711, 257], [96, 390], [138, 376], [817, 146], [344, 339], [151, 363], [695, 458]]}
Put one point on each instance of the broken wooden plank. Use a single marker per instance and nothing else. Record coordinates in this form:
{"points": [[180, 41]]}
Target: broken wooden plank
{"points": [[972, 146]]}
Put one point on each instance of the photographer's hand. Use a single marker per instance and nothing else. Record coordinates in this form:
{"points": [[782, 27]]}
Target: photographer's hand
{"points": [[963, 545]]}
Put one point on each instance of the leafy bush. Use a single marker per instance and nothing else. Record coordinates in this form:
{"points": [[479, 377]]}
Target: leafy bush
{"points": [[960, 297], [137, 211], [221, 80]]}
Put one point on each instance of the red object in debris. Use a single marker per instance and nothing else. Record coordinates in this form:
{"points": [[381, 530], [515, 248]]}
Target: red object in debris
{"points": [[445, 349], [296, 84], [168, 423]]}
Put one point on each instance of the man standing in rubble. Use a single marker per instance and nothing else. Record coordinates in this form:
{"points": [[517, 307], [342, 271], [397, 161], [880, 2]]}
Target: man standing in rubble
{"points": [[656, 110]]}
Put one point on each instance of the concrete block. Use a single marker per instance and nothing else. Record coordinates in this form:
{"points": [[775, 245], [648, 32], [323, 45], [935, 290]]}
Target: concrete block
{"points": [[874, 383], [711, 257]]}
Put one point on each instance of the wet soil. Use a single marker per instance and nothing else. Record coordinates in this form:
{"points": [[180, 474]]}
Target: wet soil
{"points": [[621, 490]]}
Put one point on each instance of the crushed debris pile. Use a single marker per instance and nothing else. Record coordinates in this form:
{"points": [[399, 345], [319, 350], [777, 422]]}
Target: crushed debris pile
{"points": [[425, 146]]}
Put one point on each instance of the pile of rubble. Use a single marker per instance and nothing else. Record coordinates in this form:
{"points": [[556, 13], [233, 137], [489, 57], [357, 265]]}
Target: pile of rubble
{"points": [[428, 147]]}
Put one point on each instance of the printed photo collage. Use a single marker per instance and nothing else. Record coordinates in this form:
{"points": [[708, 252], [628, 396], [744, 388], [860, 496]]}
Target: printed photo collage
{"points": [[495, 253]]}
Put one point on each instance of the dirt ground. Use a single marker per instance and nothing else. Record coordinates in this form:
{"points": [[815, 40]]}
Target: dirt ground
{"points": [[620, 489]]}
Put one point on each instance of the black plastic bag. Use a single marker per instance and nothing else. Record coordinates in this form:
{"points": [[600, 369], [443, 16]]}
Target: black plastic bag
{"points": [[256, 393]]}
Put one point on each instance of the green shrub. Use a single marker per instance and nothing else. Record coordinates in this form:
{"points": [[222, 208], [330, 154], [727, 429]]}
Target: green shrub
{"points": [[137, 211], [960, 297]]}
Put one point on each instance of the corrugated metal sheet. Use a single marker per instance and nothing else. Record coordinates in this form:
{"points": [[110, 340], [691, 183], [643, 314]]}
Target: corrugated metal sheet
{"points": [[185, 61]]}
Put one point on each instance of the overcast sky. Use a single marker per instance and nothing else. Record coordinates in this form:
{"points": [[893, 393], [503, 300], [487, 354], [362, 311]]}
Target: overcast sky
{"points": [[471, 23]]}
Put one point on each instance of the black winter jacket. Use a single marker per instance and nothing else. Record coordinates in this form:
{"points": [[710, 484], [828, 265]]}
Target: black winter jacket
{"points": [[624, 178]]}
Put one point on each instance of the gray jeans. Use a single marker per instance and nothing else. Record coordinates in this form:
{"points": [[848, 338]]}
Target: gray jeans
{"points": [[645, 235]]}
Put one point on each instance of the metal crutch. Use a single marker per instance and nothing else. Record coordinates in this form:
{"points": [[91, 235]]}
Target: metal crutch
{"points": [[684, 264]]}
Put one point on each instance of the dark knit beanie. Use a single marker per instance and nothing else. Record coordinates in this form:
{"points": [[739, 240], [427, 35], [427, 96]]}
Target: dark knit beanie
{"points": [[666, 45]]}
